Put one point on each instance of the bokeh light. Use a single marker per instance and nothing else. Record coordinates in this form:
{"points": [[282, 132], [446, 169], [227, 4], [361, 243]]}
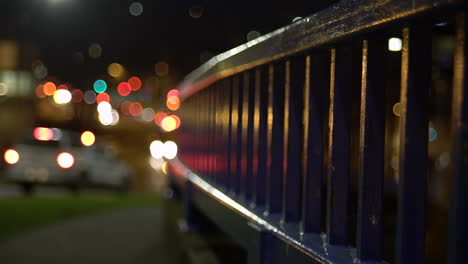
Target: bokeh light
{"points": [[157, 149], [100, 86], [115, 70], [43, 133], [65, 160], [104, 107], [95, 50], [135, 109], [105, 118], [135, 83], [169, 123], [124, 107], [102, 97], [88, 138], [397, 109], [90, 97], [177, 120], [173, 92], [147, 115], [3, 89], [196, 11], [173, 103], [40, 91], [170, 150], [62, 86], [124, 88], [57, 134], [77, 96], [49, 88], [62, 96], [158, 117], [394, 44], [252, 35], [115, 117], [135, 9], [39, 70], [11, 156], [161, 69]]}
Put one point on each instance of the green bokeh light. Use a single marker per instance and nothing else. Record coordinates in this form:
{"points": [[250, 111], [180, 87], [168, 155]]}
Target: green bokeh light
{"points": [[100, 86]]}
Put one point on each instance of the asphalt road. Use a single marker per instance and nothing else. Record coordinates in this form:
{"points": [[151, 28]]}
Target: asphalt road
{"points": [[134, 235]]}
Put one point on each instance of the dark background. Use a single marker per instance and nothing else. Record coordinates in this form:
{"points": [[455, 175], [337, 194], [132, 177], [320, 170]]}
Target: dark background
{"points": [[165, 31]]}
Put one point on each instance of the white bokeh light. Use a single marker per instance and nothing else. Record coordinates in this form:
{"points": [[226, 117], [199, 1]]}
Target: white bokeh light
{"points": [[170, 150], [157, 149]]}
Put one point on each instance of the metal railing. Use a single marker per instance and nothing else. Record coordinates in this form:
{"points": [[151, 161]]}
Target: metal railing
{"points": [[280, 129]]}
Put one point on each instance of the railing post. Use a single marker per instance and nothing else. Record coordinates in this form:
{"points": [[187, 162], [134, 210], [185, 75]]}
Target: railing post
{"points": [[294, 87], [371, 152], [339, 146], [274, 185], [415, 82], [458, 244], [317, 80]]}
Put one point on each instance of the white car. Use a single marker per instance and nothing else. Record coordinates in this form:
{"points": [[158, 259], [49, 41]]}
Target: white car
{"points": [[57, 156]]}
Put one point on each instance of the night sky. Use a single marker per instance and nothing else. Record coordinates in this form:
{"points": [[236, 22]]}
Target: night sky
{"points": [[61, 30]]}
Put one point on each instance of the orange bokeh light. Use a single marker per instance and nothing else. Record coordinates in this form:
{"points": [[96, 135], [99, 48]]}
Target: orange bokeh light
{"points": [[49, 88], [40, 91], [158, 117], [135, 83], [102, 97], [135, 109], [173, 103]]}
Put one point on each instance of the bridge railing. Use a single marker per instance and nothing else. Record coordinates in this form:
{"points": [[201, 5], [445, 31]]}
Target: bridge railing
{"points": [[285, 138]]}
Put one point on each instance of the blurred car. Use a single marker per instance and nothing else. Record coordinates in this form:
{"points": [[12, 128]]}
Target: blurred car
{"points": [[61, 157]]}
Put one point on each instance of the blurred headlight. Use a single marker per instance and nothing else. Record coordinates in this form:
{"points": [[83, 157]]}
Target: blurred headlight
{"points": [[11, 156]]}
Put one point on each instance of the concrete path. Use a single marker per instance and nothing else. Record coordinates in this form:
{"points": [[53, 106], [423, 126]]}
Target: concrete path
{"points": [[127, 236]]}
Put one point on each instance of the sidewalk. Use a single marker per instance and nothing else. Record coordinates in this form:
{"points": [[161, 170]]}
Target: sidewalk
{"points": [[127, 236]]}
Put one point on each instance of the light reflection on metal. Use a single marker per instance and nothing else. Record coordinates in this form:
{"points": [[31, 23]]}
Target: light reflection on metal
{"points": [[306, 33], [240, 209]]}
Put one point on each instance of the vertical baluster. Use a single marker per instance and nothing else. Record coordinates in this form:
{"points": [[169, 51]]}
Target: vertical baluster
{"points": [[210, 114], [276, 139], [294, 87], [234, 127], [249, 93], [371, 152], [458, 244], [415, 82], [225, 128], [261, 115], [240, 99], [339, 146], [231, 157], [317, 77]]}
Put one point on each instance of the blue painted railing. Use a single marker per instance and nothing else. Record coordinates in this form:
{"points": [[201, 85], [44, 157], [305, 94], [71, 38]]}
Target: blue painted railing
{"points": [[272, 150]]}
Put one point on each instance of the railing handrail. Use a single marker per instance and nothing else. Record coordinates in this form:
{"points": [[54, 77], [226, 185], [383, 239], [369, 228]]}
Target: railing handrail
{"points": [[331, 24]]}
